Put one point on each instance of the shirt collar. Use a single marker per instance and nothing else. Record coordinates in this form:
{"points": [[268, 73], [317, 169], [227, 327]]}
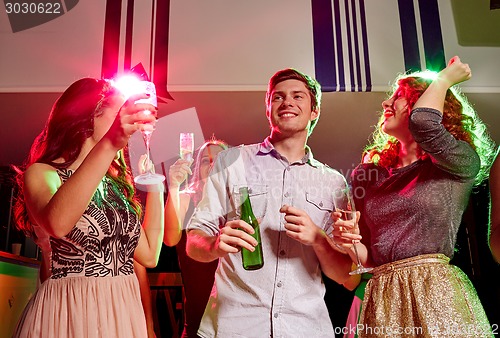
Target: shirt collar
{"points": [[266, 147]]}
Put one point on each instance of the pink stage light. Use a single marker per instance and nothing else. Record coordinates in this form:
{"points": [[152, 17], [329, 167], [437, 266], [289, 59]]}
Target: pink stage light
{"points": [[128, 85]]}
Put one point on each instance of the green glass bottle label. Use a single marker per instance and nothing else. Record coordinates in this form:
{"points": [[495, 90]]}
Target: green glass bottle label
{"points": [[251, 260]]}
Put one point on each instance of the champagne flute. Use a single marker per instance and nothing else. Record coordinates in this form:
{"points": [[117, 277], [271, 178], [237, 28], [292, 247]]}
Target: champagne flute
{"points": [[344, 204], [149, 177], [186, 150], [130, 85]]}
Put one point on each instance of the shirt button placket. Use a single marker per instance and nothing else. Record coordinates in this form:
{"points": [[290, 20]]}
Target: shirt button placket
{"points": [[287, 186]]}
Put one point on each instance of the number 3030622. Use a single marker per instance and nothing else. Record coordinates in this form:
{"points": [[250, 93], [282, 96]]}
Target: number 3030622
{"points": [[33, 8]]}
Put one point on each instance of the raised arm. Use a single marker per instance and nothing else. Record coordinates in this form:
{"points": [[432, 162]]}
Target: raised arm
{"points": [[435, 94], [177, 203], [57, 208], [449, 153]]}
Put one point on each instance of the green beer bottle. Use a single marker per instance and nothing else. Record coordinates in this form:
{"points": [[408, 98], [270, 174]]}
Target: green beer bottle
{"points": [[251, 260]]}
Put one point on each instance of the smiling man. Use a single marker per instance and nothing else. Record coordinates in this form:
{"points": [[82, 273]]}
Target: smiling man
{"points": [[291, 195]]}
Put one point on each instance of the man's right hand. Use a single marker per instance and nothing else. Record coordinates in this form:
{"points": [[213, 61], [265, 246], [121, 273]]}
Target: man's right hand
{"points": [[234, 236]]}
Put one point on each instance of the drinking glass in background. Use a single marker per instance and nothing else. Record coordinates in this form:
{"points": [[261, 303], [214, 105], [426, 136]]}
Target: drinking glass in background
{"points": [[186, 143], [16, 248], [186, 150]]}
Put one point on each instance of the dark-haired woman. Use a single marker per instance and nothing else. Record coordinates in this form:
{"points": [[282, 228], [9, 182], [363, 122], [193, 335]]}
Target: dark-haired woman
{"points": [[77, 202]]}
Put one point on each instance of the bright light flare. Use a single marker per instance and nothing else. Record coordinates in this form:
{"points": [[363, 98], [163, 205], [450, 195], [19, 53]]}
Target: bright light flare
{"points": [[429, 74], [128, 85]]}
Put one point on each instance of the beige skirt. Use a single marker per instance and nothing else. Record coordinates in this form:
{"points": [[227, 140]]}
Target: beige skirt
{"points": [[422, 296], [84, 307]]}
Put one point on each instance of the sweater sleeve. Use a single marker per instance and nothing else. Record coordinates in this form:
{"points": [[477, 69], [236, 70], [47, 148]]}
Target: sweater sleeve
{"points": [[449, 154]]}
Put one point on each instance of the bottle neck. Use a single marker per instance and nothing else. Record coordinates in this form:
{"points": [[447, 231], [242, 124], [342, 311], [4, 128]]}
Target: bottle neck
{"points": [[245, 200]]}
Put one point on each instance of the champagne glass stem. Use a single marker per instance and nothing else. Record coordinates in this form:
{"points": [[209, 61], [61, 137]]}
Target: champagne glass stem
{"points": [[358, 261], [186, 184], [148, 177], [147, 139], [360, 268]]}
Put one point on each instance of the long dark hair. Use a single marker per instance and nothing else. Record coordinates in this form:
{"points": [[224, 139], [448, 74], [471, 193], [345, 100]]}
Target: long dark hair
{"points": [[70, 123]]}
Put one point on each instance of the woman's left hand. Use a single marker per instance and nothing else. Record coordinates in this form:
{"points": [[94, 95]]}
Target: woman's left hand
{"points": [[455, 72]]}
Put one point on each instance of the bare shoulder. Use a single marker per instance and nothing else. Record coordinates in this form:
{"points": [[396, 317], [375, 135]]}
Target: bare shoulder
{"points": [[41, 175], [39, 170]]}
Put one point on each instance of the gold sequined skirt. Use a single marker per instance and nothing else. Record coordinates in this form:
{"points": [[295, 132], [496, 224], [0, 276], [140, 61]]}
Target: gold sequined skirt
{"points": [[422, 296]]}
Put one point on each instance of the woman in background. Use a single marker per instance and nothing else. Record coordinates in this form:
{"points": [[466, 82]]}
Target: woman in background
{"points": [[358, 284], [77, 200], [412, 189], [197, 277]]}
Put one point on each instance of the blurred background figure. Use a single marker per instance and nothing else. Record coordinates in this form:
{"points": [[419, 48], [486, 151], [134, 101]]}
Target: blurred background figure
{"points": [[494, 228], [197, 277], [356, 282]]}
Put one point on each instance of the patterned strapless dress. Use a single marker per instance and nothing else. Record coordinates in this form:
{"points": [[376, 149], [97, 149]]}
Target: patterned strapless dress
{"points": [[91, 290]]}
